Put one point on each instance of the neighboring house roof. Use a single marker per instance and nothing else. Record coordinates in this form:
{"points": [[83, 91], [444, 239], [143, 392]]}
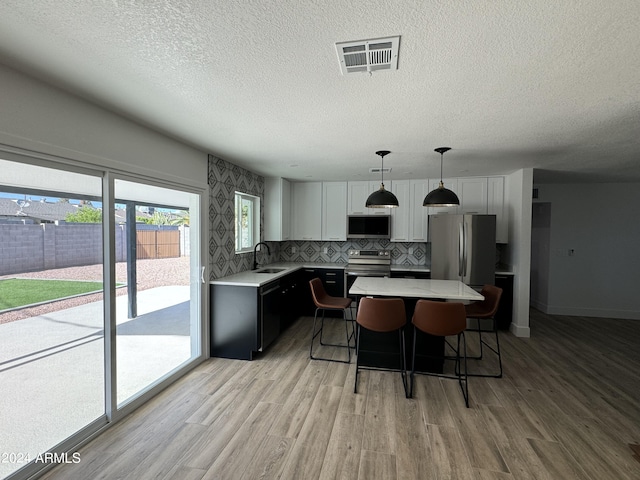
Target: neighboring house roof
{"points": [[51, 211], [47, 211]]}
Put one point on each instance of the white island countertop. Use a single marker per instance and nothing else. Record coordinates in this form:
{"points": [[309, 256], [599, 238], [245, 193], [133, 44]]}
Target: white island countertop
{"points": [[413, 288]]}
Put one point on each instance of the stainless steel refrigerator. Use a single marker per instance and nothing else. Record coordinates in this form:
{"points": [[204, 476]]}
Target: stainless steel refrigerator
{"points": [[463, 247]]}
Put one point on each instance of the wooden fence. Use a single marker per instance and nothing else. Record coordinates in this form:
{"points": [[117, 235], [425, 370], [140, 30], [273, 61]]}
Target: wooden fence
{"points": [[157, 244]]}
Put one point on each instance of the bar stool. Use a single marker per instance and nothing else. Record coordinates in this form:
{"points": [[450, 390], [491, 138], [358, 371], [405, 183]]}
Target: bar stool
{"points": [[324, 301], [486, 310], [442, 319], [382, 315]]}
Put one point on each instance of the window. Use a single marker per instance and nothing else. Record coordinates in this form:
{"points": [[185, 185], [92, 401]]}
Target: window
{"points": [[247, 222]]}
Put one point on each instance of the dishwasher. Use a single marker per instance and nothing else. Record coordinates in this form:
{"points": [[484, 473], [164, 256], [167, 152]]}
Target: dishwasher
{"points": [[270, 313]]}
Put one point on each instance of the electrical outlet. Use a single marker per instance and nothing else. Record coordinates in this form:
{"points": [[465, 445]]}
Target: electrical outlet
{"points": [[326, 250], [293, 249], [411, 251]]}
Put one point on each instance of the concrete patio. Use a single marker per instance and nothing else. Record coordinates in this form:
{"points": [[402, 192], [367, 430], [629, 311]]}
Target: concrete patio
{"points": [[52, 367]]}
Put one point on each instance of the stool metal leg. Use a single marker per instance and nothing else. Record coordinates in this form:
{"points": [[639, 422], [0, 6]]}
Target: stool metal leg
{"points": [[494, 350], [315, 333], [355, 383]]}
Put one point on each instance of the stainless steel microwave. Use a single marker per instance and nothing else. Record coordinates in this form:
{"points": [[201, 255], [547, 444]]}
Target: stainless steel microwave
{"points": [[369, 226]]}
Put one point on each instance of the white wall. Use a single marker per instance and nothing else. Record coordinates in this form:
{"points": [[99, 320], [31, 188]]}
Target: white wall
{"points": [[38, 117], [601, 224], [519, 188]]}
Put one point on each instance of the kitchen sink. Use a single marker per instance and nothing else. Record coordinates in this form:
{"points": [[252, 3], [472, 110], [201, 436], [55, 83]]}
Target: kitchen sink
{"points": [[270, 270]]}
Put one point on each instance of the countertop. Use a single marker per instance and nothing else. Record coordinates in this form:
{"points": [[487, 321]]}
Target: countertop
{"points": [[412, 288], [251, 278]]}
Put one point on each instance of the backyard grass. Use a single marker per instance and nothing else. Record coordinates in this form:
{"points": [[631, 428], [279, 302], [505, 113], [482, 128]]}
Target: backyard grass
{"points": [[18, 292]]}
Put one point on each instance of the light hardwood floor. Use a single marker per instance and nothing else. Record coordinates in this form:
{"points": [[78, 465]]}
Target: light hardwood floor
{"points": [[567, 408]]}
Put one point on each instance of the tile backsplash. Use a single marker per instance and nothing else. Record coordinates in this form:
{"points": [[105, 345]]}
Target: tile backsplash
{"points": [[338, 252]]}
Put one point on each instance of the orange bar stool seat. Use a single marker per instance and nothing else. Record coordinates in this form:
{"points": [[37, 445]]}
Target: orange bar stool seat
{"points": [[486, 310], [382, 315], [442, 319], [323, 302]]}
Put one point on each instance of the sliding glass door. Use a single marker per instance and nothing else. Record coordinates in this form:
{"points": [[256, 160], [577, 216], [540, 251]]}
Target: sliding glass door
{"points": [[157, 314], [52, 353], [83, 253]]}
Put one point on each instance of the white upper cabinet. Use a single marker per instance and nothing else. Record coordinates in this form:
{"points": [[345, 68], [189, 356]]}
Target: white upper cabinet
{"points": [[277, 209], [357, 195], [319, 209], [472, 193], [401, 216], [410, 221], [306, 213], [334, 211], [419, 219], [497, 207]]}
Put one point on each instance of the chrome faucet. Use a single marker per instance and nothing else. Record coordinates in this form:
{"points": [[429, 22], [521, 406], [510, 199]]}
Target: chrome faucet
{"points": [[255, 262]]}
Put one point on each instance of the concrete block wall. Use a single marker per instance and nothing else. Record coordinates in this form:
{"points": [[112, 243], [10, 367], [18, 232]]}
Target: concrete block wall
{"points": [[21, 248], [75, 245], [32, 247]]}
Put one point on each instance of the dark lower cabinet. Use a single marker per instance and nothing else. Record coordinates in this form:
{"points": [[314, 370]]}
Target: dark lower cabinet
{"points": [[246, 320], [333, 281], [410, 274], [504, 314], [234, 321], [292, 294]]}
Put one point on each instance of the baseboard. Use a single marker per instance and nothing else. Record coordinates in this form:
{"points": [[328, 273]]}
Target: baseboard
{"points": [[519, 331], [592, 312], [543, 307]]}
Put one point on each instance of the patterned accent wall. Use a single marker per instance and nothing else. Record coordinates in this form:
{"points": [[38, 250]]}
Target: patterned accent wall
{"points": [[224, 180], [338, 252]]}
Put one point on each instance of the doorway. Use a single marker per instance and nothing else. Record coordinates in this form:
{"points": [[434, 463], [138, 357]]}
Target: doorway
{"points": [[540, 254]]}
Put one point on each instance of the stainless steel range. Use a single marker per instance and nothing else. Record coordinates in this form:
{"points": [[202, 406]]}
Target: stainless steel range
{"points": [[366, 263]]}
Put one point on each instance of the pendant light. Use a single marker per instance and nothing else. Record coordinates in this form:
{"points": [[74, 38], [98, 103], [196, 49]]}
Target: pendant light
{"points": [[382, 198], [441, 197]]}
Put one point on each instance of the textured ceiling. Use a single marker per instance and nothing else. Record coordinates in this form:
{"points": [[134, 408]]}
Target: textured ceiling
{"points": [[553, 85]]}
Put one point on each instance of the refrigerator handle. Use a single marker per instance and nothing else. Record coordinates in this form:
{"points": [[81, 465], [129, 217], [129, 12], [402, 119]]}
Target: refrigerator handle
{"points": [[464, 251], [461, 247]]}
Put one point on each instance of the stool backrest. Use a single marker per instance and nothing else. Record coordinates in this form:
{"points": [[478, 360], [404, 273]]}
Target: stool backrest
{"points": [[318, 292], [440, 318], [489, 306], [381, 314]]}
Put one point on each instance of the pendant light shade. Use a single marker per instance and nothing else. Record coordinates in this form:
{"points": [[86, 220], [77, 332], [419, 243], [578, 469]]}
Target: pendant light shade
{"points": [[441, 197], [382, 198]]}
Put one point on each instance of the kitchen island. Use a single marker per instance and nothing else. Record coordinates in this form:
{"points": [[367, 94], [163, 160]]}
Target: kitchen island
{"points": [[377, 349], [451, 290]]}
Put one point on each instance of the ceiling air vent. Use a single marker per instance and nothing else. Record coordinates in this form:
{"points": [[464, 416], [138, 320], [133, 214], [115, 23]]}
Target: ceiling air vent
{"points": [[368, 55]]}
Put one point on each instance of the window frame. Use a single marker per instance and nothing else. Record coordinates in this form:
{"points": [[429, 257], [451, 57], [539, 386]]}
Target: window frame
{"points": [[254, 235]]}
